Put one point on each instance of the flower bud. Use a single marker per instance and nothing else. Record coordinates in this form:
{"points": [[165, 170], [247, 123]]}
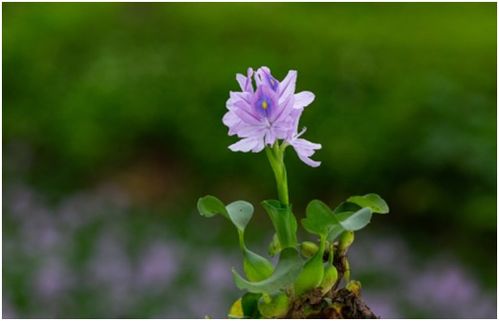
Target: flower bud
{"points": [[273, 306], [308, 249], [346, 239], [346, 267], [354, 287], [329, 278]]}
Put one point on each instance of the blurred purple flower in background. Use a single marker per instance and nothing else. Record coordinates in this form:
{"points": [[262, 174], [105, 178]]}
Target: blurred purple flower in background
{"points": [[269, 113]]}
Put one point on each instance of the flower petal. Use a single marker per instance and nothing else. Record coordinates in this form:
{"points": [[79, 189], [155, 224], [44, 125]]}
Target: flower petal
{"points": [[245, 112], [285, 108], [246, 130], [310, 162], [244, 145], [230, 119], [245, 82], [304, 149], [259, 146], [287, 86], [303, 99], [270, 137]]}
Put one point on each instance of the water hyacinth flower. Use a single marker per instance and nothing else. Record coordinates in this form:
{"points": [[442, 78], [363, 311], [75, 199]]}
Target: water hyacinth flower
{"points": [[270, 111]]}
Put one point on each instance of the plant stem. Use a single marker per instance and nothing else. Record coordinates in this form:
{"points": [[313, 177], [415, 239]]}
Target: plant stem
{"points": [[276, 159]]}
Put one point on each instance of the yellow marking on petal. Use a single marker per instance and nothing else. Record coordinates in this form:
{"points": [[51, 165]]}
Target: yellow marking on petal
{"points": [[265, 105]]}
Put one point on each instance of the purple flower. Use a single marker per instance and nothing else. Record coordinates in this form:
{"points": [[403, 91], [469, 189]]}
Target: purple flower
{"points": [[270, 112]]}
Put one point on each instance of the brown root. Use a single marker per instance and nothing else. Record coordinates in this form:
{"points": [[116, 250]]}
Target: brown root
{"points": [[340, 304]]}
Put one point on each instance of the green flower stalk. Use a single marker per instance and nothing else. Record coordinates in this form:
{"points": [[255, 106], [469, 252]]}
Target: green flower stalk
{"points": [[275, 156], [267, 117]]}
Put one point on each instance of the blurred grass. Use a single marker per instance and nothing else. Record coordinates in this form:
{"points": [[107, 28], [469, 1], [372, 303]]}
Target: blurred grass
{"points": [[405, 107]]}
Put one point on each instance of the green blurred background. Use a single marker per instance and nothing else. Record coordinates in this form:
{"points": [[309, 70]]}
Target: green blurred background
{"points": [[112, 130]]}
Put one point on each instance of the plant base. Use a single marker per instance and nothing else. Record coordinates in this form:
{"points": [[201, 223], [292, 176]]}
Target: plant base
{"points": [[339, 304]]}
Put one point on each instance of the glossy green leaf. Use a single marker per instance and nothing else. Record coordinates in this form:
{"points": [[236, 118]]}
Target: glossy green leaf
{"points": [[256, 267], [372, 201], [356, 213], [275, 306], [284, 222], [346, 207], [334, 232], [240, 213], [287, 269], [209, 206], [320, 219], [354, 221]]}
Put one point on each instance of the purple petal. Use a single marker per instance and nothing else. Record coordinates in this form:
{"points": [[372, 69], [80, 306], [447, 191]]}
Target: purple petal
{"points": [[303, 99], [304, 149], [259, 146], [259, 78], [270, 137], [245, 82], [250, 130], [241, 96], [241, 79], [309, 162], [245, 145], [306, 145], [230, 119], [287, 86], [263, 76], [244, 111], [285, 109]]}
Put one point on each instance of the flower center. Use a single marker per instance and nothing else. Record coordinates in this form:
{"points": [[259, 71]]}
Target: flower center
{"points": [[264, 104]]}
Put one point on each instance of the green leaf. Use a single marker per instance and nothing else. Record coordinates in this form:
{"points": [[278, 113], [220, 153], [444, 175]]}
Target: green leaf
{"points": [[209, 206], [334, 232], [346, 207], [240, 213], [249, 302], [356, 220], [372, 201], [312, 273], [287, 269], [256, 267], [274, 306], [356, 213], [320, 219], [284, 222]]}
